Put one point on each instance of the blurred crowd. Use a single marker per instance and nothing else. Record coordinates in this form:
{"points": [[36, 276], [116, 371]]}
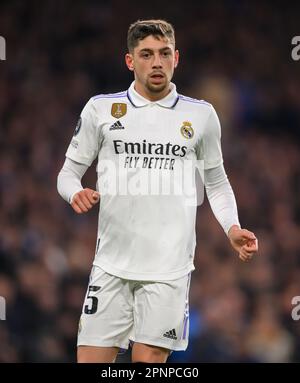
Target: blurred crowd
{"points": [[234, 54]]}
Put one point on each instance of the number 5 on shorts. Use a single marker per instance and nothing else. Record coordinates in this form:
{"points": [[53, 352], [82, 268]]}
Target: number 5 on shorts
{"points": [[94, 301]]}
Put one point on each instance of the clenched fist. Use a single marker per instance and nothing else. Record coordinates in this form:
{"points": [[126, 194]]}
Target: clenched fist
{"points": [[84, 200]]}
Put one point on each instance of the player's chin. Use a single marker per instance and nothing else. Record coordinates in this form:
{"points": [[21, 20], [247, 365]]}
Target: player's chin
{"points": [[157, 87]]}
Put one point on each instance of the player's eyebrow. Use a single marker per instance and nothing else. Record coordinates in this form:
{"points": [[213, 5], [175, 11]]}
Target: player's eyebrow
{"points": [[151, 50]]}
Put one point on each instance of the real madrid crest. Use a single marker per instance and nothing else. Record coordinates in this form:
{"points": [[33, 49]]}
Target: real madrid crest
{"points": [[186, 130], [118, 109]]}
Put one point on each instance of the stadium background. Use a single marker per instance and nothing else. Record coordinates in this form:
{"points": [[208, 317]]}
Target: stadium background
{"points": [[234, 54]]}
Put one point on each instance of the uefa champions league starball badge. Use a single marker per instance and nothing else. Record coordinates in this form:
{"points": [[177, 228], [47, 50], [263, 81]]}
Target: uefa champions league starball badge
{"points": [[78, 126]]}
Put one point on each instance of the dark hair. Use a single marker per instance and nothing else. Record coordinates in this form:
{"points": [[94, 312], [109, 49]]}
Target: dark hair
{"points": [[143, 28]]}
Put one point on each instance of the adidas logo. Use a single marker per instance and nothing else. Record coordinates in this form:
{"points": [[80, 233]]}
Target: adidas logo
{"points": [[170, 334], [116, 125]]}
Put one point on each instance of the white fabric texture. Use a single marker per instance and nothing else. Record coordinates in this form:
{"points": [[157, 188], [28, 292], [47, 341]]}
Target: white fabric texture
{"points": [[221, 197], [154, 313], [145, 235], [69, 179], [218, 189]]}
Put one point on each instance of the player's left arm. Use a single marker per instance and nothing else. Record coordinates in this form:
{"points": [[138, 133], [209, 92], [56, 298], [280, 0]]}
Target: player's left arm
{"points": [[220, 193], [223, 205]]}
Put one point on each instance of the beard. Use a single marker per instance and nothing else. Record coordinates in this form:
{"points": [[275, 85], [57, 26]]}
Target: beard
{"points": [[157, 88]]}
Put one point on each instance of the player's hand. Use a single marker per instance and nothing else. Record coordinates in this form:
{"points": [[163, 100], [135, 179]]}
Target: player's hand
{"points": [[244, 242], [84, 200]]}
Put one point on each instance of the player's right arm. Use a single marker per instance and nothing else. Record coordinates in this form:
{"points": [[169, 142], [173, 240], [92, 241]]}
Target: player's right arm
{"points": [[70, 188], [82, 151]]}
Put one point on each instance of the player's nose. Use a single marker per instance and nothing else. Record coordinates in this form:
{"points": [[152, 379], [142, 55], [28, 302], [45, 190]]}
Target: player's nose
{"points": [[157, 62]]}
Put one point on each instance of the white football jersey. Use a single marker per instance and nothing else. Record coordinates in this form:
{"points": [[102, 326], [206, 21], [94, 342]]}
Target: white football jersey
{"points": [[146, 228]]}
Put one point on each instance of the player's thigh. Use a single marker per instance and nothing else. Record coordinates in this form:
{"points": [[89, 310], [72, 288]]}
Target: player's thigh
{"points": [[161, 313], [107, 317], [146, 353], [92, 354]]}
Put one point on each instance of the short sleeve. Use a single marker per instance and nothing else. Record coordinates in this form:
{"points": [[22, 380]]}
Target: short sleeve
{"points": [[86, 141], [209, 146]]}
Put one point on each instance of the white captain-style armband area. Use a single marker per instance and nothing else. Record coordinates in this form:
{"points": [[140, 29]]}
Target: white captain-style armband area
{"points": [[221, 197], [69, 179]]}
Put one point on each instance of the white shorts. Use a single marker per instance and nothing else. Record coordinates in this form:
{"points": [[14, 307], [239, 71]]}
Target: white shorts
{"points": [[117, 311]]}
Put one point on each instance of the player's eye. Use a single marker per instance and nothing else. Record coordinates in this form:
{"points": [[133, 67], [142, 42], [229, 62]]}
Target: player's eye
{"points": [[166, 53], [145, 55]]}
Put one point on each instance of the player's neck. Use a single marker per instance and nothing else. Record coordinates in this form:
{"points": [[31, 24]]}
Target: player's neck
{"points": [[151, 96]]}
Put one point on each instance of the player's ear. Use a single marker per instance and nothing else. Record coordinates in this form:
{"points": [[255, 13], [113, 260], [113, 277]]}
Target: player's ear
{"points": [[129, 61], [176, 58]]}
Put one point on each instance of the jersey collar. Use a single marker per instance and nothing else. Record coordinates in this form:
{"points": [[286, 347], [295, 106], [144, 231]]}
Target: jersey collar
{"points": [[138, 101]]}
